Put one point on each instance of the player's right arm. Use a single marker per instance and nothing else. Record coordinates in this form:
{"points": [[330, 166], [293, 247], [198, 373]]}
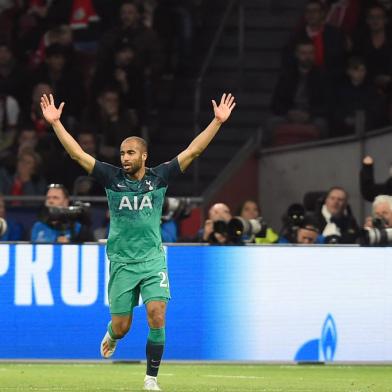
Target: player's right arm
{"points": [[52, 116]]}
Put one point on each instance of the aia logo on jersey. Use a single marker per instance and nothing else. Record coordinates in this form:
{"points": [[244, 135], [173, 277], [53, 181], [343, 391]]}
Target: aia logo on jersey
{"points": [[135, 203]]}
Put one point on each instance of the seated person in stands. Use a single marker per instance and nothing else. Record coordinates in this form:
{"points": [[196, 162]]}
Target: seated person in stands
{"points": [[300, 99], [57, 223], [357, 93], [214, 229], [26, 179], [382, 213], [307, 232], [335, 220], [369, 188], [249, 209], [14, 231]]}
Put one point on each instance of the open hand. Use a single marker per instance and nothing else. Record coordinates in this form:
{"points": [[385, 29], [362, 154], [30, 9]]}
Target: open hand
{"points": [[49, 111], [223, 111]]}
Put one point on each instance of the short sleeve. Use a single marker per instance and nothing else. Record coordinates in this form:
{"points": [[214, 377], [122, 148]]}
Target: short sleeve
{"points": [[168, 170], [104, 173]]}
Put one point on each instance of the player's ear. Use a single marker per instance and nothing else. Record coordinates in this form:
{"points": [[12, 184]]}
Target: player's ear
{"points": [[144, 156]]}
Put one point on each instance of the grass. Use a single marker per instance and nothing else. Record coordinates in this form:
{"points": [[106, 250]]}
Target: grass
{"points": [[196, 378]]}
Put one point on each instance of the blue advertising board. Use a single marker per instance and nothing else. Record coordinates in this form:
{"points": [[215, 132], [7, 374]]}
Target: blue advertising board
{"points": [[228, 303]]}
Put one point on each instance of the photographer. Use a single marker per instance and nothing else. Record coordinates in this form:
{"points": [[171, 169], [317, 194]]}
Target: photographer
{"points": [[306, 231], [215, 227], [378, 227], [248, 210], [59, 223]]}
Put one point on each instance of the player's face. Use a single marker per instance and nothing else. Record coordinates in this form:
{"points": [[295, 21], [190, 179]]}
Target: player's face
{"points": [[132, 157]]}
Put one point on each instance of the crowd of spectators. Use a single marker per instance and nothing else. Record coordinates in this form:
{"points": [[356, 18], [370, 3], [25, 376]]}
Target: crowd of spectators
{"points": [[105, 59], [336, 72]]}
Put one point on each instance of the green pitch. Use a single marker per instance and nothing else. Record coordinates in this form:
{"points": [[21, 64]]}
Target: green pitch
{"points": [[195, 378]]}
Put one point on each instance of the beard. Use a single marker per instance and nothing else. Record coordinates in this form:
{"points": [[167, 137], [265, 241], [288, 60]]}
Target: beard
{"points": [[133, 167]]}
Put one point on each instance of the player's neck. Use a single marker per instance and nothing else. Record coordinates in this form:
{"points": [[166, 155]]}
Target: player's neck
{"points": [[138, 175]]}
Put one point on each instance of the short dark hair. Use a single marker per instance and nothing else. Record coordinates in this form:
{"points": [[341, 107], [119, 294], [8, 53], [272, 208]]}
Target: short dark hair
{"points": [[322, 5], [303, 41], [355, 61], [142, 142], [336, 188]]}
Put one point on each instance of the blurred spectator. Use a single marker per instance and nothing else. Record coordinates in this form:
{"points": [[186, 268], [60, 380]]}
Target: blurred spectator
{"points": [[214, 229], [27, 178], [382, 213], [13, 77], [112, 123], [306, 233], [125, 73], [14, 230], [9, 116], [355, 94], [65, 82], [35, 112], [374, 44], [249, 209], [335, 220], [56, 223], [74, 176], [300, 99], [343, 14], [102, 232], [329, 42], [173, 20], [132, 31], [369, 188]]}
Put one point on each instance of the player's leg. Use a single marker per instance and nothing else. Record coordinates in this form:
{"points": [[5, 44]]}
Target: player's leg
{"points": [[117, 329], [156, 312], [155, 293], [123, 294]]}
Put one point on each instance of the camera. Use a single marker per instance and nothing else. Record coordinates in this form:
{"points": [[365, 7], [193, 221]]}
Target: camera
{"points": [[243, 230], [176, 208], [292, 221], [61, 217], [239, 230], [378, 235]]}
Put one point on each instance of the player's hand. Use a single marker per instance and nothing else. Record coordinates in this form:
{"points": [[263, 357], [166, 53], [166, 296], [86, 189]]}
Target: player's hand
{"points": [[223, 111], [49, 111], [368, 160]]}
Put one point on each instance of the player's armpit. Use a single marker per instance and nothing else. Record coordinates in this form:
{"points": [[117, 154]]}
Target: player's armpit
{"points": [[186, 157], [86, 161]]}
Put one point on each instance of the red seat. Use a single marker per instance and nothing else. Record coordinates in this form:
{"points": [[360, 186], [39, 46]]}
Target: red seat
{"points": [[290, 133]]}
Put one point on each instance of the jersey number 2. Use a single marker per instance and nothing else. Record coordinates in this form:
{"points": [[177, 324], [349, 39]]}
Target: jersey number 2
{"points": [[164, 281]]}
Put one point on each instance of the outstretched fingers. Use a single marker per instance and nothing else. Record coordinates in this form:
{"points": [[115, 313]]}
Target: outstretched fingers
{"points": [[223, 99], [51, 99]]}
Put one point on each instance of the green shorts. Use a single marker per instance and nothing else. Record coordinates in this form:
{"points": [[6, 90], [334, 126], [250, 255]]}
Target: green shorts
{"points": [[129, 280]]}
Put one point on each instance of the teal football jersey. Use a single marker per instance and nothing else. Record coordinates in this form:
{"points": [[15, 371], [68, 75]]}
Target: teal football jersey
{"points": [[135, 210]]}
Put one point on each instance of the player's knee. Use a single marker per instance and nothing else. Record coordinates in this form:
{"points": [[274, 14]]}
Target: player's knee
{"points": [[121, 328], [156, 318]]}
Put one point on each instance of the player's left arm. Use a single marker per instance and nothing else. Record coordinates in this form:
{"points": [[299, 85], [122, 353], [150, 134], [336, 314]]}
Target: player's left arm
{"points": [[200, 143]]}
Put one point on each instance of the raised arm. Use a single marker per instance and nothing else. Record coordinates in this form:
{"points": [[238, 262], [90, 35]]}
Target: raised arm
{"points": [[201, 141], [52, 116]]}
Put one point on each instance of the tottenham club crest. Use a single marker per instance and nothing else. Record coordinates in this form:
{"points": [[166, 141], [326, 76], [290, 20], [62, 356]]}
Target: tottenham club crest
{"points": [[150, 187]]}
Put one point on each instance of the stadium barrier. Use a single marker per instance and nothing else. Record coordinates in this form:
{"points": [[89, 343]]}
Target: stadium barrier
{"points": [[250, 303]]}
